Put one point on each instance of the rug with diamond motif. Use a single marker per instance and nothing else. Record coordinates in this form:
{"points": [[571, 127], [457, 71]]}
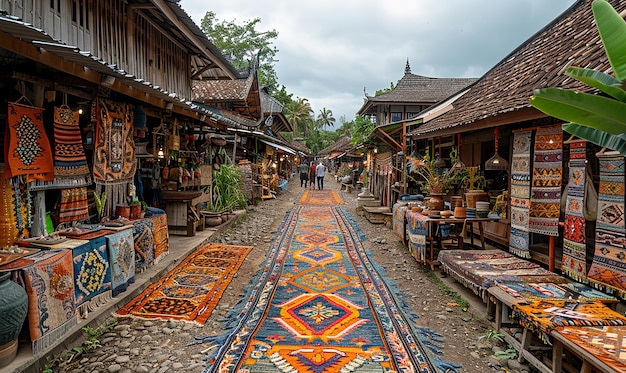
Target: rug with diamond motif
{"points": [[320, 305], [191, 290]]}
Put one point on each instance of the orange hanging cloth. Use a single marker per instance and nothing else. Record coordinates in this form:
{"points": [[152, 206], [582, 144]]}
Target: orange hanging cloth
{"points": [[8, 225], [27, 149]]}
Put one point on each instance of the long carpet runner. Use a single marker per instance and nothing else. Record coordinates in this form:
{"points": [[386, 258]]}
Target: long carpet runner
{"points": [[320, 305], [520, 194], [191, 290]]}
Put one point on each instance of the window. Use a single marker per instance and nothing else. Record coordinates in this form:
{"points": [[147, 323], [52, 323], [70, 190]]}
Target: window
{"points": [[396, 117]]}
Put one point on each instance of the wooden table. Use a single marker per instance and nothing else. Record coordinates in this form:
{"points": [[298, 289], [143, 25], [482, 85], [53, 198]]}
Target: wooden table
{"points": [[183, 211], [434, 238]]}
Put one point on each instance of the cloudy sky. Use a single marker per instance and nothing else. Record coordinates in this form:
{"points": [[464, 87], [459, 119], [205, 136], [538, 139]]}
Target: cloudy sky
{"points": [[331, 50]]}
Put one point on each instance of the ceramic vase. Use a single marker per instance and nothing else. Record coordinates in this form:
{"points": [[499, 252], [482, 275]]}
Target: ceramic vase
{"points": [[13, 310]]}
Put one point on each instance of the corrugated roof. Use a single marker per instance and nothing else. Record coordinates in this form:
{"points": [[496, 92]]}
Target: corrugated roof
{"points": [[570, 40]]}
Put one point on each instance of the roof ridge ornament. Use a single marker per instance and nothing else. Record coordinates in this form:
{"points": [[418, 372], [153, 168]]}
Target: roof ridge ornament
{"points": [[407, 68]]}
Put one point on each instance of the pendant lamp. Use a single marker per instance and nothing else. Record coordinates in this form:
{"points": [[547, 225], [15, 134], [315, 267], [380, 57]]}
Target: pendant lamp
{"points": [[459, 163], [496, 163]]}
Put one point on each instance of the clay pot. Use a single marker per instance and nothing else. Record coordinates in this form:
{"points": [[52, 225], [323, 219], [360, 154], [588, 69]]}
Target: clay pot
{"points": [[123, 211], [460, 212], [445, 214], [435, 202], [135, 212], [213, 219]]}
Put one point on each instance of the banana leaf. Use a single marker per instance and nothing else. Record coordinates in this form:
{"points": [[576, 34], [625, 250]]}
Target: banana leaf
{"points": [[601, 138], [599, 112], [612, 29], [597, 79]]}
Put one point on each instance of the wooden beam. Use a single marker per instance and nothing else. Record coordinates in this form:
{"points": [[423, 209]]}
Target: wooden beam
{"points": [[389, 138], [46, 58]]}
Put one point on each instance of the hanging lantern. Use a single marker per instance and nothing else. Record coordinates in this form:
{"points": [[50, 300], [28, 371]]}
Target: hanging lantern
{"points": [[496, 163], [459, 163]]}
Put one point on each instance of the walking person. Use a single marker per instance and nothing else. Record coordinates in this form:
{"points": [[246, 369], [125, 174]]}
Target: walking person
{"points": [[312, 175], [304, 174], [320, 172]]}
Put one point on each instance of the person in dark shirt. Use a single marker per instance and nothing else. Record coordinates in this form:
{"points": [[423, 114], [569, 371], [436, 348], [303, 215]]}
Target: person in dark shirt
{"points": [[312, 175], [304, 174]]}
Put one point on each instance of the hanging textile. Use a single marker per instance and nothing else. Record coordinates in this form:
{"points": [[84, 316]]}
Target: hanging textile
{"points": [[26, 146], [114, 162], [520, 194], [70, 163], [574, 240], [8, 225], [608, 270], [74, 205], [545, 196]]}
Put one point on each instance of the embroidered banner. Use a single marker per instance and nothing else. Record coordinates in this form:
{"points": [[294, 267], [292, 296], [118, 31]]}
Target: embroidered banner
{"points": [[27, 149], [574, 262], [520, 194], [608, 270], [545, 197]]}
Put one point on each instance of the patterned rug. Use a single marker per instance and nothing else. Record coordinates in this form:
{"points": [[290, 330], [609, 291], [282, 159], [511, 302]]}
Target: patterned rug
{"points": [[520, 194], [574, 262], [480, 269], [320, 197], [51, 301], [143, 237], [417, 227], [399, 211], [121, 248], [524, 291], [608, 269], [161, 232], [546, 314], [600, 342], [191, 290], [545, 196], [320, 305], [92, 275], [26, 145]]}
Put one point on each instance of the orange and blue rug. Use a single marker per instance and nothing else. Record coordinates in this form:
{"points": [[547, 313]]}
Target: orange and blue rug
{"points": [[321, 305], [191, 290]]}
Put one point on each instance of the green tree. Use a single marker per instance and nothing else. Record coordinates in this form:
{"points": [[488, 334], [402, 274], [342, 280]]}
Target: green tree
{"points": [[300, 115], [385, 90], [361, 129], [244, 45], [325, 118], [600, 119]]}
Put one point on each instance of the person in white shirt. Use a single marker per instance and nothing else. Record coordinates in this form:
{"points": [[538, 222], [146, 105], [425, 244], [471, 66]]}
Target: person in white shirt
{"points": [[320, 171]]}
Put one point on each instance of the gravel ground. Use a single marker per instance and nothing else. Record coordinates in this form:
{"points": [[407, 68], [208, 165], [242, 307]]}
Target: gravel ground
{"points": [[134, 345]]}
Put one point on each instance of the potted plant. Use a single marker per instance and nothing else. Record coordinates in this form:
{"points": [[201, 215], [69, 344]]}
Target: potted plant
{"points": [[432, 180]]}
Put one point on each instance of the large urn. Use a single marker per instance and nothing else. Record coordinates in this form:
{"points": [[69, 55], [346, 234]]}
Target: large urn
{"points": [[13, 310], [436, 203]]}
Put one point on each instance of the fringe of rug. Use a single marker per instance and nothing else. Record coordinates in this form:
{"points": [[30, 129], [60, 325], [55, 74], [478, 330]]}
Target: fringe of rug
{"points": [[160, 257], [48, 340], [94, 303], [61, 183]]}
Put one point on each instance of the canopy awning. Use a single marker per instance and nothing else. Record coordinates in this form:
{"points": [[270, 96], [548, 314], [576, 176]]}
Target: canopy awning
{"points": [[281, 147]]}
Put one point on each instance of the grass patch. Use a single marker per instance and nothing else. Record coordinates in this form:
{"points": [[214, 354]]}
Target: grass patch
{"points": [[463, 303]]}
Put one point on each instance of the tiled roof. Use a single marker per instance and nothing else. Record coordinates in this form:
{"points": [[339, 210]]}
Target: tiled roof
{"points": [[295, 144], [570, 40], [421, 89], [342, 144], [211, 91]]}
